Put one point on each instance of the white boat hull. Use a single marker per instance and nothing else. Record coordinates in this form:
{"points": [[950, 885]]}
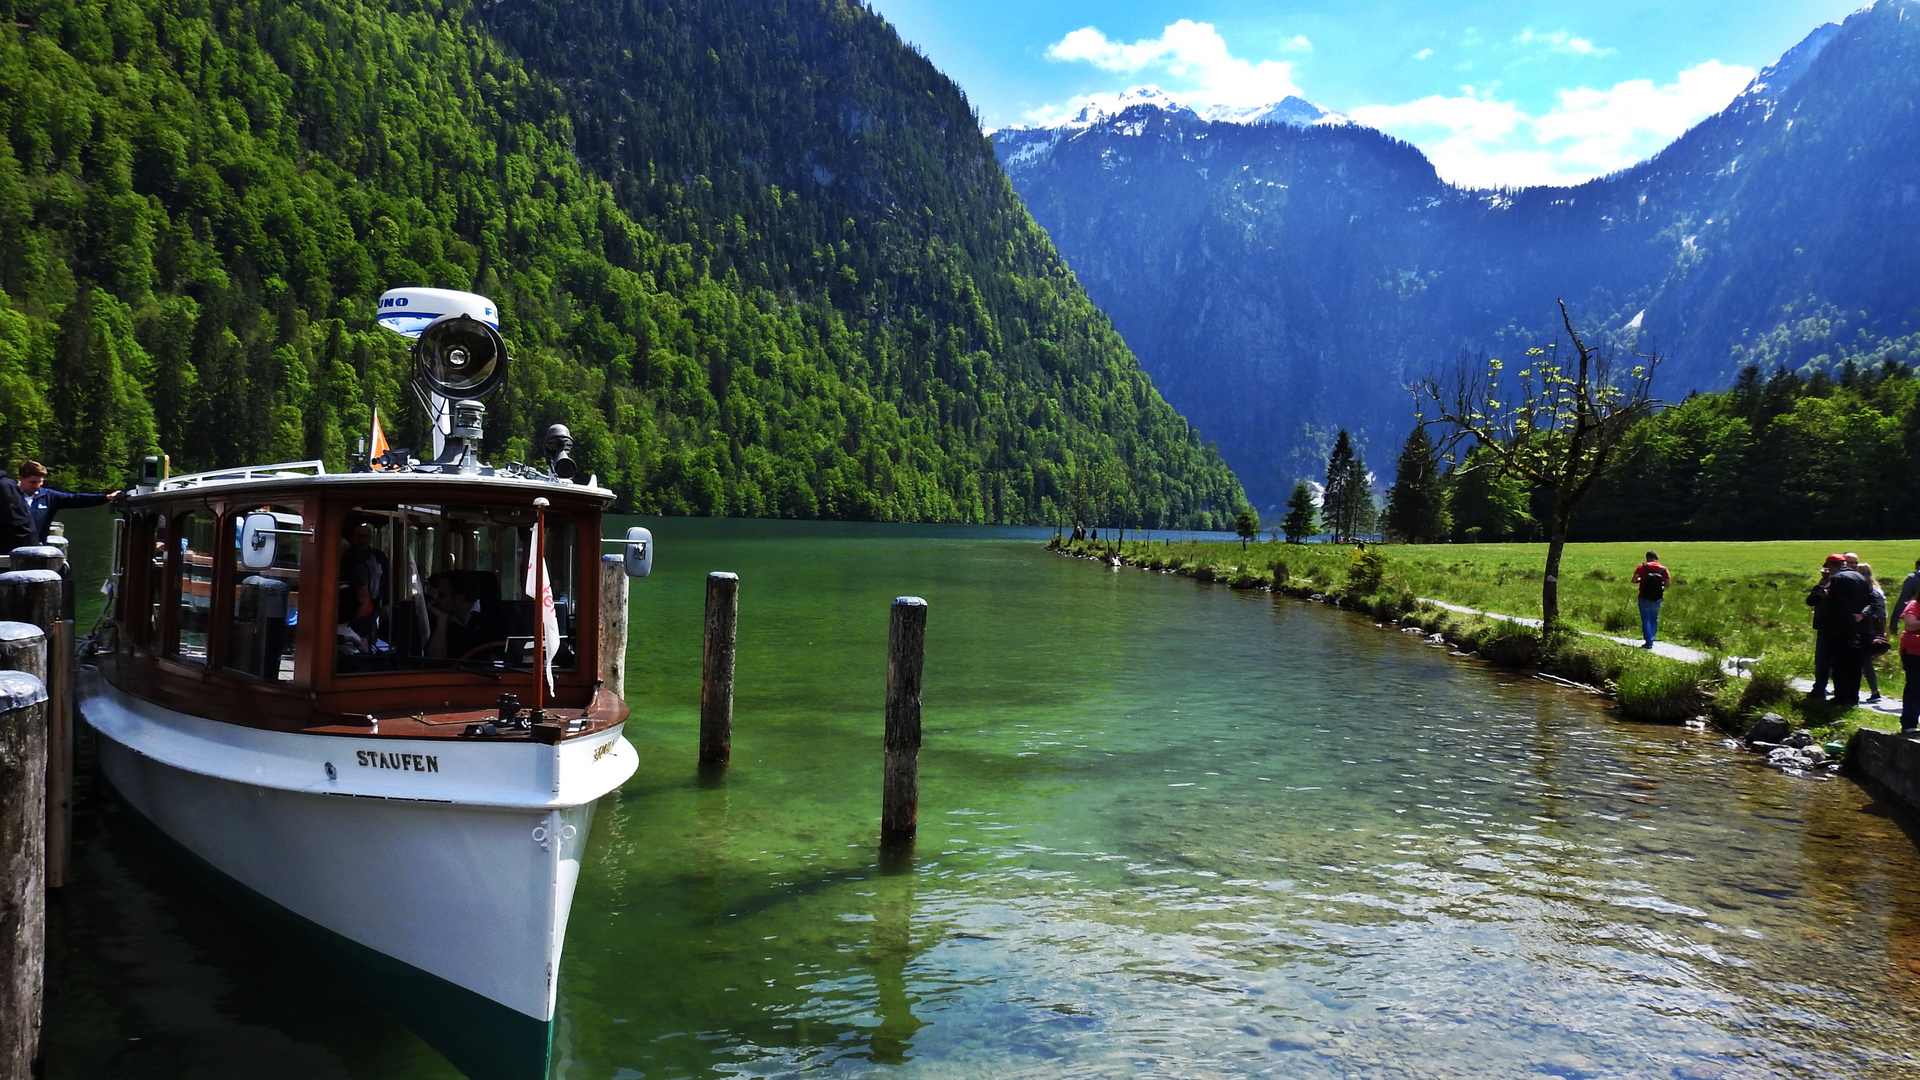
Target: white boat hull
{"points": [[434, 875]]}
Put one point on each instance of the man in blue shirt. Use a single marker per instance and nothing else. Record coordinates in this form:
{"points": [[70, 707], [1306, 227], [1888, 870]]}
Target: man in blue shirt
{"points": [[43, 502]]}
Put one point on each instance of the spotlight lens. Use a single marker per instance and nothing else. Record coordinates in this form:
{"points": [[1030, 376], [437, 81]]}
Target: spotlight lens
{"points": [[457, 357]]}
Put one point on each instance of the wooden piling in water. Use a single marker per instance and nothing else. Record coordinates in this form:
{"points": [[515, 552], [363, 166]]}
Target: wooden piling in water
{"points": [[47, 557], [900, 784], [33, 597], [23, 900], [613, 624], [716, 673], [30, 596]]}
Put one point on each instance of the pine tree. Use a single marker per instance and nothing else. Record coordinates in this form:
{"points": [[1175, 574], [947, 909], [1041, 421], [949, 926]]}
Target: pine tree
{"points": [[1417, 503], [1247, 525], [1347, 506], [1299, 523]]}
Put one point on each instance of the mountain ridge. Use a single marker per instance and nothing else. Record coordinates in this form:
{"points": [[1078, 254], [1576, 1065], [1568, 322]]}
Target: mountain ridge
{"points": [[1316, 270]]}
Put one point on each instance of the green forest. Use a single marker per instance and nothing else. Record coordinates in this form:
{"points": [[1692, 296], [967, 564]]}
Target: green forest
{"points": [[757, 255], [1782, 455]]}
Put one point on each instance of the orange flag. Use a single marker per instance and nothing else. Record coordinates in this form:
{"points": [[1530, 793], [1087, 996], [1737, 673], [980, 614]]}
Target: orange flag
{"points": [[378, 444]]}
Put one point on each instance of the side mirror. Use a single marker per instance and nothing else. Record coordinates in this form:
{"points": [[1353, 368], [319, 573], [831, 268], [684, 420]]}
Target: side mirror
{"points": [[257, 540], [639, 552]]}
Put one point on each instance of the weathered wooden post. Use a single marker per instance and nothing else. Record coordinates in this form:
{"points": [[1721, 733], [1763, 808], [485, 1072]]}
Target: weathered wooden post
{"points": [[33, 597], [47, 557], [23, 900], [716, 675], [613, 624], [900, 785], [30, 596]]}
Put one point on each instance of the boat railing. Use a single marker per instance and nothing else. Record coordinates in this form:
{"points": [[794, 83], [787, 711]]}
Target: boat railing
{"points": [[315, 467]]}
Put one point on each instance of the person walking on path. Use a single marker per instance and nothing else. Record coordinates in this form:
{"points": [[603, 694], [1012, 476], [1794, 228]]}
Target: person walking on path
{"points": [[1848, 601], [43, 502], [1653, 580], [1872, 628]]}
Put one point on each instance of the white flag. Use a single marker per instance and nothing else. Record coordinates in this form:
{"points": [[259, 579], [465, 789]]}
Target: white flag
{"points": [[549, 616]]}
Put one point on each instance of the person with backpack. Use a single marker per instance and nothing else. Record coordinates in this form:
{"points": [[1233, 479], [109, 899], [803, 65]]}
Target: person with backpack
{"points": [[1653, 580]]}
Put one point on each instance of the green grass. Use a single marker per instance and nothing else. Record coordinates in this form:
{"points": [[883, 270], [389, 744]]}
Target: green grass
{"points": [[1729, 598]]}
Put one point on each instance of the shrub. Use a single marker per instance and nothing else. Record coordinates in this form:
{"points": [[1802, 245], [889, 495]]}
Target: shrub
{"points": [[1281, 574], [1770, 683], [1656, 689], [1585, 660], [1619, 620], [1245, 579], [1510, 645], [1366, 570]]}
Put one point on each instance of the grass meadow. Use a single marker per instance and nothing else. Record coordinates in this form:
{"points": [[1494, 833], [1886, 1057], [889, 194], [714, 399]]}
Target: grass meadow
{"points": [[1745, 599]]}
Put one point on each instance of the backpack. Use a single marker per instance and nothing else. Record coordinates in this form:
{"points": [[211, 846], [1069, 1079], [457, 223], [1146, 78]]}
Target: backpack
{"points": [[1653, 582]]}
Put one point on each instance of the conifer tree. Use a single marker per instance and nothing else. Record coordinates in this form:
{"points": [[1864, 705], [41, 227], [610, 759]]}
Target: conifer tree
{"points": [[1347, 507], [1299, 523], [1417, 502]]}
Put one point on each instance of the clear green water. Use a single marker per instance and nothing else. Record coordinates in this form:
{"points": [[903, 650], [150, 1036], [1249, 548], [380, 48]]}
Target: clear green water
{"points": [[1166, 829]]}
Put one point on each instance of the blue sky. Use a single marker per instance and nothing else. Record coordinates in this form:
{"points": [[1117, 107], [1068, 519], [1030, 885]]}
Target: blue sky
{"points": [[1495, 93]]}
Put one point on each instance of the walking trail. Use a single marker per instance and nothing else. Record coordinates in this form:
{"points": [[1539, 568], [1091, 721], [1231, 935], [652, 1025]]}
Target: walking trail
{"points": [[1738, 667]]}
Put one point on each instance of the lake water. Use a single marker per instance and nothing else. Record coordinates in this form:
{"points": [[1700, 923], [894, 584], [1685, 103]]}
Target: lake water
{"points": [[1166, 829]]}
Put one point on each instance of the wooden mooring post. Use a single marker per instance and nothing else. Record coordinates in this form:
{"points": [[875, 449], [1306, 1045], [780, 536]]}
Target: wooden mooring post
{"points": [[613, 625], [34, 596], [900, 784], [716, 669], [23, 854]]}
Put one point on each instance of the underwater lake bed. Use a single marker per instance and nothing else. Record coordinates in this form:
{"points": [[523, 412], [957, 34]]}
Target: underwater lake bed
{"points": [[1166, 828]]}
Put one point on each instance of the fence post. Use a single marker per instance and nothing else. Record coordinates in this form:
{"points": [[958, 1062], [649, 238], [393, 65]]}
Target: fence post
{"points": [[716, 675], [900, 784]]}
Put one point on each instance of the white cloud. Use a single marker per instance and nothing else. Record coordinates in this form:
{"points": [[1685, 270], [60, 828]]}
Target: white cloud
{"points": [[1297, 43], [1475, 140], [1194, 59], [1562, 42], [1423, 54]]}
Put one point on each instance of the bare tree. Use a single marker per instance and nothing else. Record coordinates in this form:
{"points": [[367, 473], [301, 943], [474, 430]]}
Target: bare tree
{"points": [[1556, 423]]}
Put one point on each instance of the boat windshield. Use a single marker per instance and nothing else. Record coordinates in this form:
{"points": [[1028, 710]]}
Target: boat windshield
{"points": [[444, 585]]}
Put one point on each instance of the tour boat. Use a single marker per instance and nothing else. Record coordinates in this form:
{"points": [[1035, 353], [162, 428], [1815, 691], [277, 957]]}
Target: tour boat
{"points": [[375, 709]]}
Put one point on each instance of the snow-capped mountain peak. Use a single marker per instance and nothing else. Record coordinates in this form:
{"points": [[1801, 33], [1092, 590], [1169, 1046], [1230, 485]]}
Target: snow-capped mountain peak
{"points": [[1293, 111]]}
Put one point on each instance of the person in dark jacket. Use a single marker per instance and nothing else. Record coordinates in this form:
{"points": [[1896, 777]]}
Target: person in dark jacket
{"points": [[16, 520], [43, 502], [1840, 616], [1817, 596]]}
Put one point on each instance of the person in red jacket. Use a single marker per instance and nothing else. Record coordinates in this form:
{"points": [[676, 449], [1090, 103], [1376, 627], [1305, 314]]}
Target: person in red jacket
{"points": [[1653, 580]]}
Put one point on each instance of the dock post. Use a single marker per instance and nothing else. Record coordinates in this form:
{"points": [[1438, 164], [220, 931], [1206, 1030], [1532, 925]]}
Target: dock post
{"points": [[47, 557], [716, 674], [23, 893], [900, 786], [613, 625], [35, 597], [30, 596]]}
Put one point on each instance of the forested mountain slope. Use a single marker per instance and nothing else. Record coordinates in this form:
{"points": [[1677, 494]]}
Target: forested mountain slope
{"points": [[1280, 283], [758, 256]]}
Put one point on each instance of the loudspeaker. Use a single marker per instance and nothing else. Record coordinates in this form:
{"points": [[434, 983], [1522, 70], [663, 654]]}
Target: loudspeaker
{"points": [[460, 357]]}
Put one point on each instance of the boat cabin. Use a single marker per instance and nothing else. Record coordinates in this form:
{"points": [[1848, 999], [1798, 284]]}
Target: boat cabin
{"points": [[396, 604]]}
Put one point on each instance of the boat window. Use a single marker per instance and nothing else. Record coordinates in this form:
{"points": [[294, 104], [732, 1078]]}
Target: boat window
{"points": [[147, 545], [194, 532], [441, 585], [266, 603]]}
